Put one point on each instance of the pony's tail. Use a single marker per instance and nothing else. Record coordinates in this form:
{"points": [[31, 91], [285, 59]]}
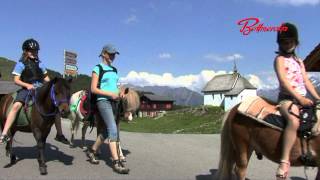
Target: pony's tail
{"points": [[227, 152]]}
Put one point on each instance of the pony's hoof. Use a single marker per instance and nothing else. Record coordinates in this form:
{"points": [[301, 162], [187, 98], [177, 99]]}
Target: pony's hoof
{"points": [[72, 145], [13, 159], [43, 170]]}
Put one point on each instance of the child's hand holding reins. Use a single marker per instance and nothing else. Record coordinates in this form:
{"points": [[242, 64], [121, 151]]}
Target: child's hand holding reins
{"points": [[306, 102], [30, 87]]}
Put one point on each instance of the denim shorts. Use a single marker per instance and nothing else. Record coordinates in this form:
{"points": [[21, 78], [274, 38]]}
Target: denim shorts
{"points": [[22, 95], [284, 98], [106, 112]]}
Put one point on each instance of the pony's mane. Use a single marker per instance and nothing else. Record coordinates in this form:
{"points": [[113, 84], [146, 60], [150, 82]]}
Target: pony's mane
{"points": [[133, 100]]}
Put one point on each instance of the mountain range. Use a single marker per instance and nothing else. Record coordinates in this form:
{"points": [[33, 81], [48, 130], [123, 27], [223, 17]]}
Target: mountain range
{"points": [[181, 95]]}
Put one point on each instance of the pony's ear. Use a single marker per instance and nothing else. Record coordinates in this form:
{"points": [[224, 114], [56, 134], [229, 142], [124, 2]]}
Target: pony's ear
{"points": [[54, 80], [126, 91]]}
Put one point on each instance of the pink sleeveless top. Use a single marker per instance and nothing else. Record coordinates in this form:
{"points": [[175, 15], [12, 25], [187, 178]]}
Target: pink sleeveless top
{"points": [[294, 75]]}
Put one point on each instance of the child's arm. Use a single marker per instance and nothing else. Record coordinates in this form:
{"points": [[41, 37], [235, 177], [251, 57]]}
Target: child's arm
{"points": [[17, 80], [45, 72], [46, 79], [17, 71]]}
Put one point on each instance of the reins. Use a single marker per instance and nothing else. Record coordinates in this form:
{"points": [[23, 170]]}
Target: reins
{"points": [[52, 98]]}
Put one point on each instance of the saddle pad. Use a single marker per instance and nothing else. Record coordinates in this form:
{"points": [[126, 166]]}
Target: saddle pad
{"points": [[21, 118], [262, 111], [84, 105]]}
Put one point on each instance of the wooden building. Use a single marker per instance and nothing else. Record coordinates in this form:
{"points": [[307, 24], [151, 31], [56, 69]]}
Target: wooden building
{"points": [[7, 87], [152, 104], [312, 61]]}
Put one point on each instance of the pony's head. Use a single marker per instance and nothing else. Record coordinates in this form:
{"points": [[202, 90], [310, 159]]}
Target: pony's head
{"points": [[130, 102], [316, 128], [60, 95]]}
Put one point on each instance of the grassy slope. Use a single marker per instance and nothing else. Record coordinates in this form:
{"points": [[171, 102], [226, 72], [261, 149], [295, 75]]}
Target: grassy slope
{"points": [[179, 122]]}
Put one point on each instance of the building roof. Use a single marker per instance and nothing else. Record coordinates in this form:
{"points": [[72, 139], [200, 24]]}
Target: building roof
{"points": [[154, 97], [7, 87], [229, 84], [312, 61]]}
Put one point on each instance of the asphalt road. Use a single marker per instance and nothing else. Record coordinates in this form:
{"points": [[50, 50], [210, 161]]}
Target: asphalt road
{"points": [[149, 156]]}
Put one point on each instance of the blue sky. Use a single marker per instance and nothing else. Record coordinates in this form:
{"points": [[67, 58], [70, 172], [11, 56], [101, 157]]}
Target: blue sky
{"points": [[175, 43]]}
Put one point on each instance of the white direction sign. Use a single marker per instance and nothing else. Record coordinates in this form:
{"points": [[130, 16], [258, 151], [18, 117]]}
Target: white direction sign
{"points": [[71, 67], [70, 63]]}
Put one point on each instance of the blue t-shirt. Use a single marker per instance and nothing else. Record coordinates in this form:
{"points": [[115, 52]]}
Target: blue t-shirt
{"points": [[109, 80], [19, 67]]}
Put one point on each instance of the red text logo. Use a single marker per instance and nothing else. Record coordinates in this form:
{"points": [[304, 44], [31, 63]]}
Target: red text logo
{"points": [[252, 24]]}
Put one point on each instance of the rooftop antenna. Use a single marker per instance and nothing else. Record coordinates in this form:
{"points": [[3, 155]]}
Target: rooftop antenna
{"points": [[235, 70]]}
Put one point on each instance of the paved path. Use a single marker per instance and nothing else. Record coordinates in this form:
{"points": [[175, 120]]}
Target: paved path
{"points": [[150, 157]]}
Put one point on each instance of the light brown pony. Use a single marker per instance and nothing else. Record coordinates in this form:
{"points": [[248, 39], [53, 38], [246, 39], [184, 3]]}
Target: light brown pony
{"points": [[241, 135], [127, 106]]}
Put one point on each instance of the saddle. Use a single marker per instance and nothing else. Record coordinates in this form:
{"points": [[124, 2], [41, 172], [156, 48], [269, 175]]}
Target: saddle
{"points": [[267, 113], [22, 116], [84, 105]]}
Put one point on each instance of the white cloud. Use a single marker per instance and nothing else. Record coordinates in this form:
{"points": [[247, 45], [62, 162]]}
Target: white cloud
{"points": [[223, 58], [254, 80], [195, 82], [165, 56], [291, 2], [191, 81], [131, 19]]}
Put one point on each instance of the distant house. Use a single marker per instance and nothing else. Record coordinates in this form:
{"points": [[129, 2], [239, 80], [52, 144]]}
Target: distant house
{"points": [[227, 90], [152, 104], [7, 87]]}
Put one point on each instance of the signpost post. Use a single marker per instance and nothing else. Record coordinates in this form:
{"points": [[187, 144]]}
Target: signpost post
{"points": [[70, 64]]}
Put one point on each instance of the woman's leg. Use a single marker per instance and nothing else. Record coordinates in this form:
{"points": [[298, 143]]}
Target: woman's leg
{"points": [[289, 135], [106, 112]]}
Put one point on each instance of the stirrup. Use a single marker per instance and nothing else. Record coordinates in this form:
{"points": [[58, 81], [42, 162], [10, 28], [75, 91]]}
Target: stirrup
{"points": [[4, 138], [283, 173]]}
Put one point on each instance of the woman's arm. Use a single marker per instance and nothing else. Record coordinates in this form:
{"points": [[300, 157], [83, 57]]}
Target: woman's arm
{"points": [[96, 90]]}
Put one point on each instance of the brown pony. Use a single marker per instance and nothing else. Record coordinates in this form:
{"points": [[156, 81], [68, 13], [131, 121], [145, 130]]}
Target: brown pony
{"points": [[241, 135], [48, 101]]}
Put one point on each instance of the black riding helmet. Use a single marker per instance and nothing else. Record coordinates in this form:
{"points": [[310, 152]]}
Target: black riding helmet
{"points": [[30, 44], [291, 33]]}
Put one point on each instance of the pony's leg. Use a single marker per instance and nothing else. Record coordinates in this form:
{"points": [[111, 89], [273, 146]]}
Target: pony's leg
{"points": [[122, 157], [41, 140], [74, 127], [242, 150], [242, 161], [9, 152], [83, 136], [243, 153], [318, 174]]}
